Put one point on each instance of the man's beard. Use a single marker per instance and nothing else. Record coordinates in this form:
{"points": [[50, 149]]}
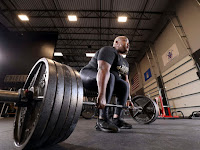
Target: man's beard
{"points": [[125, 51]]}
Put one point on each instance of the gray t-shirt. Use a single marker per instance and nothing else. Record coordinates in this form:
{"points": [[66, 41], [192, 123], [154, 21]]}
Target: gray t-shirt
{"points": [[119, 65]]}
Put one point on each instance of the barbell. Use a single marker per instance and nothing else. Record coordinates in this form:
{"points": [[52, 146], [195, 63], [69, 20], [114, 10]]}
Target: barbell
{"points": [[50, 103]]}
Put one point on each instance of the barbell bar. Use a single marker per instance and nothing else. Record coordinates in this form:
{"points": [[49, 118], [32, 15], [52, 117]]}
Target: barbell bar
{"points": [[108, 105], [17, 97], [9, 96], [138, 108], [50, 104], [12, 96]]}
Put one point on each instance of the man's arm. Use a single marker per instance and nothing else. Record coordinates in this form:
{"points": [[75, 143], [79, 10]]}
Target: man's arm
{"points": [[129, 102], [126, 79], [103, 76]]}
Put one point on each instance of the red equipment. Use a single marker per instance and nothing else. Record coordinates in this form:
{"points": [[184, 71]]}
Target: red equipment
{"points": [[162, 113]]}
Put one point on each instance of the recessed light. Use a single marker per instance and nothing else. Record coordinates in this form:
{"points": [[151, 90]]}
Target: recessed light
{"points": [[23, 17], [122, 19], [72, 18], [90, 54], [58, 54]]}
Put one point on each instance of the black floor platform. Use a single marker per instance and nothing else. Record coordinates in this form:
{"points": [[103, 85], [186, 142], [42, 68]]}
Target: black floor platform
{"points": [[180, 134]]}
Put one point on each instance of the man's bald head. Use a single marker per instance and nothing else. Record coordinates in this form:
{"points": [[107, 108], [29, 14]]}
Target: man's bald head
{"points": [[121, 44], [119, 38]]}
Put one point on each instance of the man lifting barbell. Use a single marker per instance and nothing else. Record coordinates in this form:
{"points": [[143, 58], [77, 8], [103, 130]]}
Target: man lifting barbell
{"points": [[50, 102], [107, 72]]}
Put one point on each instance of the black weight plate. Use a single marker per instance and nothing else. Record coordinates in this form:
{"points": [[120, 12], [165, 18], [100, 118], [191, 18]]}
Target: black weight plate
{"points": [[31, 121], [149, 110], [72, 106], [55, 112], [47, 106], [79, 104], [64, 109]]}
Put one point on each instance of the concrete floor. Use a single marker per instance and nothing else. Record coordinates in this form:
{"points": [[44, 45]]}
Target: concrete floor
{"points": [[180, 134]]}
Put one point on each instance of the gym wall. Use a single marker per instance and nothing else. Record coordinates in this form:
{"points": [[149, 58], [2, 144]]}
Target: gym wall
{"points": [[189, 14], [135, 78], [164, 42], [19, 52], [179, 74]]}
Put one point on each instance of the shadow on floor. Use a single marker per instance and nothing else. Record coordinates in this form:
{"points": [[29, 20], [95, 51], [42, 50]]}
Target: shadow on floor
{"points": [[145, 133], [66, 146]]}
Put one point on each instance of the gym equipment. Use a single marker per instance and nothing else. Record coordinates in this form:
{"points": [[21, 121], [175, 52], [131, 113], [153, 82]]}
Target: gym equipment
{"points": [[164, 111], [88, 113], [195, 115], [149, 110], [50, 104], [179, 114]]}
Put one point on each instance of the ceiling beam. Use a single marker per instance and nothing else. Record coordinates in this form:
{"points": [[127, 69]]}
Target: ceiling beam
{"points": [[85, 46], [85, 11], [71, 48], [93, 40], [93, 49], [103, 14], [95, 17], [93, 33], [61, 27]]}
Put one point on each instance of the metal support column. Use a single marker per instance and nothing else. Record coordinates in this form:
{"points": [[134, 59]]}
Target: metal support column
{"points": [[162, 91]]}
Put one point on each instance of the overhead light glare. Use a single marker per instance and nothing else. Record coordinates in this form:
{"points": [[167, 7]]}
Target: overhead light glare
{"points": [[23, 17], [124, 56], [58, 54], [90, 54], [72, 18], [122, 19]]}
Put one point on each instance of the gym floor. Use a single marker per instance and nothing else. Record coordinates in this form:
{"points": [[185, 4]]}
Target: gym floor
{"points": [[168, 134]]}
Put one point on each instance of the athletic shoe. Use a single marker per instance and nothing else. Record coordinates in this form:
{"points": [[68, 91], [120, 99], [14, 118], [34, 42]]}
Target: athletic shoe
{"points": [[106, 126], [121, 123]]}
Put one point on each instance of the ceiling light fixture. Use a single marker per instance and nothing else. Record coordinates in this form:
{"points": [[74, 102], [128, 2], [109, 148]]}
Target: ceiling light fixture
{"points": [[23, 17], [72, 18], [90, 54], [122, 19], [58, 54]]}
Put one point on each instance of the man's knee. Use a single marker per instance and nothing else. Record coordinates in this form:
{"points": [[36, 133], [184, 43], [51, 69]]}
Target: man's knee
{"points": [[111, 81], [124, 86], [112, 77]]}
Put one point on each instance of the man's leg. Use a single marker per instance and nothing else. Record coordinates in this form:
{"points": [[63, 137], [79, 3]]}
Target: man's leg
{"points": [[104, 122], [88, 77], [103, 113], [122, 92]]}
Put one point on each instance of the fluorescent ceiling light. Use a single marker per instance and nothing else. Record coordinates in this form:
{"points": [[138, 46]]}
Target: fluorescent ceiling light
{"points": [[90, 54], [122, 19], [23, 17], [72, 18], [124, 56], [58, 54]]}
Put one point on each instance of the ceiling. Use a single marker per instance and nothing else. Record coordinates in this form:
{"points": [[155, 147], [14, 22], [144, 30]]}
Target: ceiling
{"points": [[97, 24]]}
